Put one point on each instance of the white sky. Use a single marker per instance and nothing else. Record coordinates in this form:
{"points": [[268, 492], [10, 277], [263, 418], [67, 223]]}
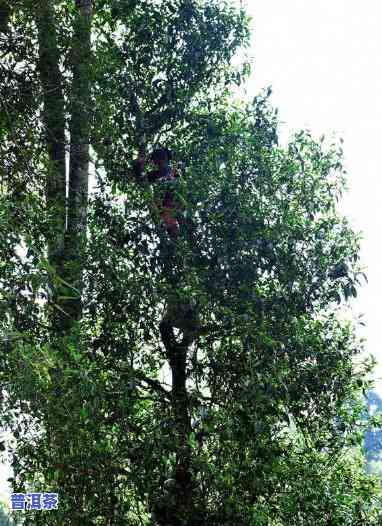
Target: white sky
{"points": [[323, 59]]}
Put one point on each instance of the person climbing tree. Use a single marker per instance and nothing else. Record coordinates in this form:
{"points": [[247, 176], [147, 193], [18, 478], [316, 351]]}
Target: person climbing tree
{"points": [[166, 204]]}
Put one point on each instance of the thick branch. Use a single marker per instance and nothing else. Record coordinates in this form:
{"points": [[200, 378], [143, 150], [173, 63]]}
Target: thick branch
{"points": [[134, 374]]}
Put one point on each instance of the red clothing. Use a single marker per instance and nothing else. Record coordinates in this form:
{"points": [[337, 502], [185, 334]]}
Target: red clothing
{"points": [[168, 205], [158, 176]]}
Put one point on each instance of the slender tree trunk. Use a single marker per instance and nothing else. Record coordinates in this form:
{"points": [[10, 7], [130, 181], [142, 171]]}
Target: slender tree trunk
{"points": [[68, 237], [54, 123], [179, 510], [79, 128], [183, 494], [53, 114]]}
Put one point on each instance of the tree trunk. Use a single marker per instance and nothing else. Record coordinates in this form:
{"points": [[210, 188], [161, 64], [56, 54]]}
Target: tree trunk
{"points": [[79, 128], [67, 239], [53, 114], [54, 123], [180, 504]]}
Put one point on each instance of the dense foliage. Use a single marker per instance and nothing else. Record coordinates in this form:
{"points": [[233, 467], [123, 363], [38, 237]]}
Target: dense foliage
{"points": [[204, 380]]}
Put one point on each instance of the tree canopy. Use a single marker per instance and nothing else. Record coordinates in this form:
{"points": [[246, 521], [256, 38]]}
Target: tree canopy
{"points": [[208, 379]]}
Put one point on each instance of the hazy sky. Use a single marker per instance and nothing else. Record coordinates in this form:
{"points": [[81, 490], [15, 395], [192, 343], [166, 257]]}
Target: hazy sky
{"points": [[323, 59]]}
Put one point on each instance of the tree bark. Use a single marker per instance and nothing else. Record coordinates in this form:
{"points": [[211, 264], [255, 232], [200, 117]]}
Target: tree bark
{"points": [[53, 115], [54, 122], [79, 128], [179, 509], [67, 239]]}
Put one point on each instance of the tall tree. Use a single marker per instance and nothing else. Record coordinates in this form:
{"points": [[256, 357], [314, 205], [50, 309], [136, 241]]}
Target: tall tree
{"points": [[181, 382], [261, 386], [54, 122], [66, 244], [79, 129], [193, 45]]}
